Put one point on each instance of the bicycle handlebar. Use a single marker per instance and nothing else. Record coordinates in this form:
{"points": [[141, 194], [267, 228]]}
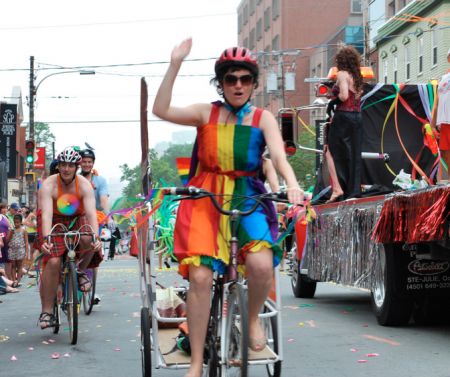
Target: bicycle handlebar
{"points": [[192, 192]]}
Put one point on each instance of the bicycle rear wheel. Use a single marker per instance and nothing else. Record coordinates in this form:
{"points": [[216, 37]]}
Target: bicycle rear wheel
{"points": [[71, 301], [57, 315], [146, 354], [271, 331], [89, 297], [235, 362]]}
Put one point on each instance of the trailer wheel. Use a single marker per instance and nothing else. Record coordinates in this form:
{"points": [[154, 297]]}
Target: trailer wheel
{"points": [[389, 308], [302, 285]]}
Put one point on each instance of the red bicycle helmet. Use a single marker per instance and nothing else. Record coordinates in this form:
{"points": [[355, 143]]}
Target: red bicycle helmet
{"points": [[236, 56]]}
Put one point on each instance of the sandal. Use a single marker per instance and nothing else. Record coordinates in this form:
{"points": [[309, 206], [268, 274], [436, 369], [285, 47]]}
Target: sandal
{"points": [[84, 284], [46, 320], [16, 284]]}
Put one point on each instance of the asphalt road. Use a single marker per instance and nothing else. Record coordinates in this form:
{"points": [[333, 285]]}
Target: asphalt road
{"points": [[334, 334]]}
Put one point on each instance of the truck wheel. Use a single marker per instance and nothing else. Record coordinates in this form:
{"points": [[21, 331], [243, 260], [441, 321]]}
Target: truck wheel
{"points": [[302, 285], [432, 311], [389, 309]]}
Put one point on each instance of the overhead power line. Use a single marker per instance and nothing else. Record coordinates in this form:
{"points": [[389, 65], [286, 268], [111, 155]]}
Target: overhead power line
{"points": [[105, 23]]}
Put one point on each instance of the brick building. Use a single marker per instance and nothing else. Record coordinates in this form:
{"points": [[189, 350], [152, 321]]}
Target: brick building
{"points": [[290, 34]]}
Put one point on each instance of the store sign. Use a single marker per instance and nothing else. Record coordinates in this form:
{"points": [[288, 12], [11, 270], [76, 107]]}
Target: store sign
{"points": [[39, 158], [8, 117]]}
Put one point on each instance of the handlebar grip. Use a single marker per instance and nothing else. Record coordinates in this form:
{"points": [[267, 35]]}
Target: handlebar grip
{"points": [[191, 191]]}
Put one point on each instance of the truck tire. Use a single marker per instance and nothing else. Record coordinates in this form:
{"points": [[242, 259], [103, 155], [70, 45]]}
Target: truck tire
{"points": [[302, 285], [432, 311], [388, 307]]}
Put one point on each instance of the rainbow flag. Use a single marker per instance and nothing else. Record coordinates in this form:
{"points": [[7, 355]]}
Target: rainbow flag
{"points": [[183, 164]]}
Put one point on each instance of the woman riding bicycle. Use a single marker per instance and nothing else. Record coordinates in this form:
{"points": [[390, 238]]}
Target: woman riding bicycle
{"points": [[231, 137], [65, 198]]}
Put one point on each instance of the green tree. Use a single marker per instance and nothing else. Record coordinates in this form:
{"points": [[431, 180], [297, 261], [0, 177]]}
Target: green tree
{"points": [[163, 169], [44, 138], [304, 162]]}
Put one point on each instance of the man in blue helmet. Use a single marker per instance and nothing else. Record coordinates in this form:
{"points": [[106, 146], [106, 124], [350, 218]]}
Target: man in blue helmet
{"points": [[99, 183]]}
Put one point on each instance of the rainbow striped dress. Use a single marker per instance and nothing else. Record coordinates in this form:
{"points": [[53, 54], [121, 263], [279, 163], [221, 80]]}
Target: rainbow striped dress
{"points": [[229, 159]]}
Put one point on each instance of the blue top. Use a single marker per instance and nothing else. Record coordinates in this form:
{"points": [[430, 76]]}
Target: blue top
{"points": [[100, 187]]}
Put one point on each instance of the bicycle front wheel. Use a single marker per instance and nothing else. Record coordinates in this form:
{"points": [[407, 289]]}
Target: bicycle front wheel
{"points": [[146, 354], [89, 297], [212, 343], [235, 360], [71, 302]]}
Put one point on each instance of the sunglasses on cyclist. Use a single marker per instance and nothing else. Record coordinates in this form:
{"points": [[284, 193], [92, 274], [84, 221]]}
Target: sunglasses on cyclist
{"points": [[229, 79]]}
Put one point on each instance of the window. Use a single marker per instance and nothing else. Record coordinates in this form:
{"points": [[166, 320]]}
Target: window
{"points": [[245, 20], [395, 67], [259, 29], [252, 39], [420, 54], [319, 70], [245, 43], [240, 23], [407, 61], [252, 7], [267, 19], [356, 6], [265, 97], [391, 9], [275, 9], [385, 70], [276, 43], [267, 55], [434, 46]]}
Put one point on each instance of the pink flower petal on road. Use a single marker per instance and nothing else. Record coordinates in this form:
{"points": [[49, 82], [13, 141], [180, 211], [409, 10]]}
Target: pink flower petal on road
{"points": [[13, 358], [373, 354], [66, 354], [362, 361], [30, 349], [45, 342], [51, 340], [55, 355], [290, 340], [117, 349], [353, 350]]}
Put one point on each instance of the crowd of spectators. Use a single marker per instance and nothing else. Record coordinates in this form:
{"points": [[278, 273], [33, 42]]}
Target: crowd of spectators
{"points": [[17, 234]]}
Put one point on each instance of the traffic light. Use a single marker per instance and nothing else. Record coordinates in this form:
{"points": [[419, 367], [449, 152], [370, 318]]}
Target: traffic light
{"points": [[288, 126], [30, 177], [29, 146], [323, 90]]}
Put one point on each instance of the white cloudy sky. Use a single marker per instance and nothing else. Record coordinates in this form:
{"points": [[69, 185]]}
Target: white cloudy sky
{"points": [[116, 34]]}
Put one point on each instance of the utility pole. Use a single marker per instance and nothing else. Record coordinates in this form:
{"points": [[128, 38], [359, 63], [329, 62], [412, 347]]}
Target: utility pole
{"points": [[31, 100]]}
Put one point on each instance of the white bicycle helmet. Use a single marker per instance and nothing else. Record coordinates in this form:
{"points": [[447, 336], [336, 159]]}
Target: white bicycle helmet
{"points": [[70, 155]]}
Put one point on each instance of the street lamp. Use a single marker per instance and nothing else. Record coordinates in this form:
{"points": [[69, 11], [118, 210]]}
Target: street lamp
{"points": [[34, 88]]}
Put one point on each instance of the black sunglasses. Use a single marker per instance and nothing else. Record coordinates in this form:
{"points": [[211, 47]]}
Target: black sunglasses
{"points": [[233, 79]]}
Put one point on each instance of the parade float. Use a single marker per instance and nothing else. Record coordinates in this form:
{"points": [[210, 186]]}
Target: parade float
{"points": [[394, 240]]}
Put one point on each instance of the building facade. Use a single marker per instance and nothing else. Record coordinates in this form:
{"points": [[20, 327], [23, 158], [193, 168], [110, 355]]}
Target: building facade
{"points": [[412, 43], [285, 34]]}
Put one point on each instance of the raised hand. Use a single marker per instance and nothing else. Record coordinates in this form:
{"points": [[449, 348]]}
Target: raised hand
{"points": [[180, 52]]}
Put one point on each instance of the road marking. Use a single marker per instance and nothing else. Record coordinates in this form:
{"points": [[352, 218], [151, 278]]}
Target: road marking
{"points": [[381, 340]]}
